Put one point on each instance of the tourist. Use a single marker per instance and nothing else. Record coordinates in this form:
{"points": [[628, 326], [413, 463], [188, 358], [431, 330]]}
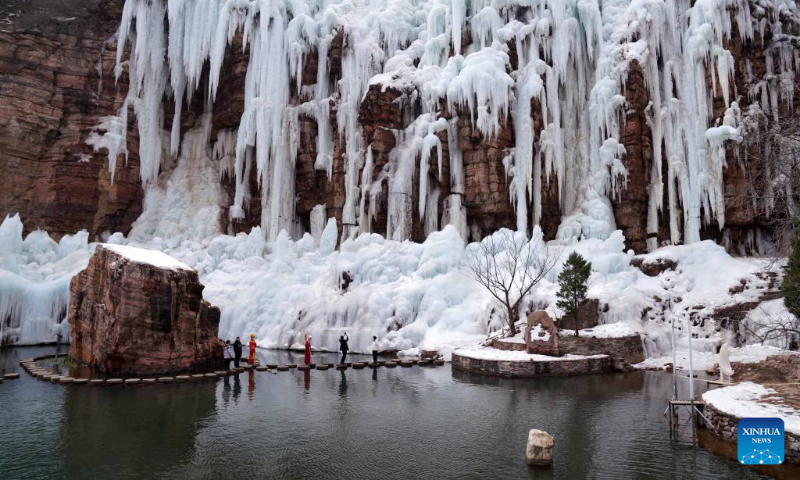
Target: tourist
{"points": [[237, 351], [307, 357], [375, 348], [252, 358], [227, 353], [343, 347]]}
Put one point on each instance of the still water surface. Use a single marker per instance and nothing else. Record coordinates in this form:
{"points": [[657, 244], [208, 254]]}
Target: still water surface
{"points": [[385, 423]]}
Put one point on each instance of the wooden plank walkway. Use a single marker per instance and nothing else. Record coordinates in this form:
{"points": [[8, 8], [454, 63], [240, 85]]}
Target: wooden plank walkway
{"points": [[686, 402]]}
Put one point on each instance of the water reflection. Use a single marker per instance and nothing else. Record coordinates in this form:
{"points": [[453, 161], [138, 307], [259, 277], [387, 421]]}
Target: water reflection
{"points": [[412, 422]]}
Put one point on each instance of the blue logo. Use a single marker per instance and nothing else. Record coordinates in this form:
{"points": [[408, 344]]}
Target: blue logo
{"points": [[760, 441]]}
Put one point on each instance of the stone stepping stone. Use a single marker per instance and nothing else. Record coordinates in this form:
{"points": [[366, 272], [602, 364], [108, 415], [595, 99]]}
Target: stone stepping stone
{"points": [[373, 365], [96, 382], [262, 369], [438, 362], [415, 361], [65, 380], [390, 364], [272, 365], [424, 363], [198, 376], [211, 375], [166, 379], [133, 381], [329, 365], [304, 367], [406, 363], [182, 378], [148, 381], [341, 366], [282, 368], [55, 378], [323, 367], [27, 360], [80, 381], [114, 381], [11, 376], [358, 366], [291, 365], [381, 363], [221, 373]]}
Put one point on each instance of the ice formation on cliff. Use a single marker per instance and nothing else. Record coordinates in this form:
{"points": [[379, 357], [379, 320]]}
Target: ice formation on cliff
{"points": [[572, 61]]}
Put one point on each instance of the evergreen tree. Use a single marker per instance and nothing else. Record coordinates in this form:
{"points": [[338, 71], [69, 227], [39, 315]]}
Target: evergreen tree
{"points": [[572, 282], [791, 281]]}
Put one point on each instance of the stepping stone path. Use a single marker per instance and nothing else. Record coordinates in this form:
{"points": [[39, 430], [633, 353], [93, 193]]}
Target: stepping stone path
{"points": [[148, 381], [114, 381], [304, 367], [390, 364], [406, 363], [133, 381], [96, 382], [323, 367], [272, 365], [166, 379], [262, 369], [182, 378], [282, 368], [358, 366], [211, 375], [11, 376], [291, 365], [80, 381], [66, 380], [341, 366], [198, 376]]}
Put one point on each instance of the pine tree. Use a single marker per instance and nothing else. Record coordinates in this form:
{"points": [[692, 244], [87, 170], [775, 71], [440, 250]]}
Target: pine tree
{"points": [[572, 282], [791, 281]]}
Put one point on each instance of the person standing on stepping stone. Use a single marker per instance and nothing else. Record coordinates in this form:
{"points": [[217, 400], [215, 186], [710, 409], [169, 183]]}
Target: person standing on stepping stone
{"points": [[307, 356], [237, 351], [343, 347], [252, 358], [375, 348], [227, 354]]}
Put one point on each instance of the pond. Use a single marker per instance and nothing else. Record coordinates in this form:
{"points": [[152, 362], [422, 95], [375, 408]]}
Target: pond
{"points": [[386, 423]]}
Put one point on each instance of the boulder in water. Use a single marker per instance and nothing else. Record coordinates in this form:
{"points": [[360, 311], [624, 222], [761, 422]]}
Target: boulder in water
{"points": [[540, 448], [140, 312]]}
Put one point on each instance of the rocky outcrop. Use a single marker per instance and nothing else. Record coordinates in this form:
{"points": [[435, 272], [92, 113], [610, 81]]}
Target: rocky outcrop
{"points": [[135, 311], [625, 351], [541, 334], [539, 450], [588, 313], [57, 59]]}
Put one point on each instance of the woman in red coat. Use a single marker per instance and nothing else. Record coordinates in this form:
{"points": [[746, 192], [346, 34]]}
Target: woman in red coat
{"points": [[252, 358], [307, 357]]}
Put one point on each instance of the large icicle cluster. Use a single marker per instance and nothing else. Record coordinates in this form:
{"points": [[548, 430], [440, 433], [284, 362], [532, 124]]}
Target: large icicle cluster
{"points": [[572, 60]]}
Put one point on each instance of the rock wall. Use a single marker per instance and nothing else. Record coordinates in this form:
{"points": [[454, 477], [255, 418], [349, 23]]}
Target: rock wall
{"points": [[57, 59], [628, 349], [725, 426], [530, 369], [58, 81], [128, 317]]}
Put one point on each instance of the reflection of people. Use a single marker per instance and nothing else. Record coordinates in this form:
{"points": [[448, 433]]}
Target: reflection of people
{"points": [[375, 348], [307, 379], [237, 387], [252, 358], [343, 347], [237, 350], [251, 384], [307, 357], [227, 354]]}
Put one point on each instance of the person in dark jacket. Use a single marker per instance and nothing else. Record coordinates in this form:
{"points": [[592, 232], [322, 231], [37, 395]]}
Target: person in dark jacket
{"points": [[237, 352], [343, 347]]}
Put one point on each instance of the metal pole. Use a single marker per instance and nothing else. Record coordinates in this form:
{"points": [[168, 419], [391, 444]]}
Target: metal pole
{"points": [[691, 377]]}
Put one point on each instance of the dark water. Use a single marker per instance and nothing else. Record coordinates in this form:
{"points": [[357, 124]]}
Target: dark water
{"points": [[386, 423]]}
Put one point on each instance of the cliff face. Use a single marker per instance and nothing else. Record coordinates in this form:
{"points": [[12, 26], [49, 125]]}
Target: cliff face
{"points": [[59, 81], [56, 79]]}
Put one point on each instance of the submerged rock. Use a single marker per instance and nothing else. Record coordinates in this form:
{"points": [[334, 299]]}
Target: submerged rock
{"points": [[135, 311], [539, 450]]}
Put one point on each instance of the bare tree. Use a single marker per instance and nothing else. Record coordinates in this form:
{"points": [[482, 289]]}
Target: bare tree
{"points": [[782, 329], [509, 266], [770, 159]]}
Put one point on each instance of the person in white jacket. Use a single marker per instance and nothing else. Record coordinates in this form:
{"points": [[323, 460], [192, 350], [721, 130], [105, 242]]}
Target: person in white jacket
{"points": [[227, 353], [375, 348]]}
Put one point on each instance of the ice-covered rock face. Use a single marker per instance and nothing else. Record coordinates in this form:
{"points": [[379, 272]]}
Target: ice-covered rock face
{"points": [[552, 71]]}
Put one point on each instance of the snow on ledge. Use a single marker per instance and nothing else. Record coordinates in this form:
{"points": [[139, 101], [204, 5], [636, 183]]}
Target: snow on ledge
{"points": [[745, 400], [478, 353], [607, 330], [147, 257]]}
